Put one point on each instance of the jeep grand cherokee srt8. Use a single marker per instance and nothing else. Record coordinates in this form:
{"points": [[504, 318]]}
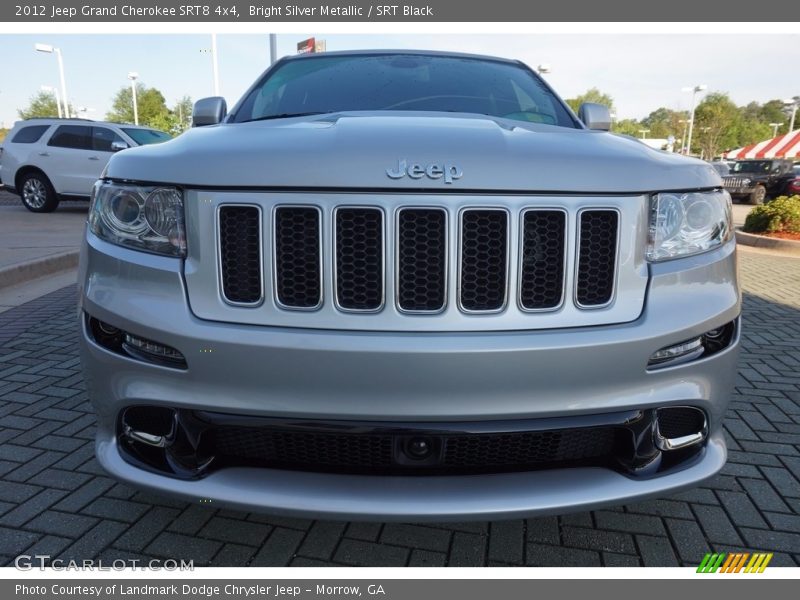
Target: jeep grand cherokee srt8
{"points": [[408, 285]]}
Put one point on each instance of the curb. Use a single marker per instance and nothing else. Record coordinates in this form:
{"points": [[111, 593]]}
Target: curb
{"points": [[760, 241], [24, 272]]}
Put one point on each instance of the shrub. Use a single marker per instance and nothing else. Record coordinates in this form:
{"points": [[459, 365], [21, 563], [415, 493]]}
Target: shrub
{"points": [[778, 216]]}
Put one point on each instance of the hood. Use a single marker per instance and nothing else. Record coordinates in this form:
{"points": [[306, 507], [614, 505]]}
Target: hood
{"points": [[410, 151]]}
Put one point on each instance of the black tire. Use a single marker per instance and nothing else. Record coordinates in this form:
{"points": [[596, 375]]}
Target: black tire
{"points": [[37, 193], [758, 195]]}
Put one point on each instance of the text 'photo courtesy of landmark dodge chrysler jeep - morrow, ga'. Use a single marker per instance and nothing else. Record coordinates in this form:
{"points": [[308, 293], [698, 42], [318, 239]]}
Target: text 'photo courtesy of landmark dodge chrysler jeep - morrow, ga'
{"points": [[411, 286]]}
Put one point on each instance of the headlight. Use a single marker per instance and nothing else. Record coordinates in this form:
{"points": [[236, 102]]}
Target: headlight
{"points": [[684, 224], [147, 218]]}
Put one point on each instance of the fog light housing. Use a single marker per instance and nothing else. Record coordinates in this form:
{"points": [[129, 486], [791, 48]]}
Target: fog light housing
{"points": [[679, 353], [702, 346], [153, 350]]}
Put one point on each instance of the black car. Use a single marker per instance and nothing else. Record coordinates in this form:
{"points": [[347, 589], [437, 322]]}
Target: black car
{"points": [[758, 179]]}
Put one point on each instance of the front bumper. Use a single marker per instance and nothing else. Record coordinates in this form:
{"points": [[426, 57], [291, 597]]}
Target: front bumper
{"points": [[407, 377]]}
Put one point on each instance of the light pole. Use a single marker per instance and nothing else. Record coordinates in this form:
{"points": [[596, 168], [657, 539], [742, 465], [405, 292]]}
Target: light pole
{"points": [[775, 128], [133, 76], [214, 63], [685, 129], [54, 90], [273, 48], [794, 104], [48, 49], [694, 90], [644, 133]]}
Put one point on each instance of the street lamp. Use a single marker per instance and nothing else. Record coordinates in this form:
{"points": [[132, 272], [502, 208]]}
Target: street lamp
{"points": [[794, 104], [775, 128], [694, 90], [644, 133], [48, 49], [544, 68], [214, 67], [54, 90], [133, 76], [214, 63]]}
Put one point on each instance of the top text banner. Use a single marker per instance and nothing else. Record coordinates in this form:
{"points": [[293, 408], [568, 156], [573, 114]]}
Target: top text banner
{"points": [[83, 11]]}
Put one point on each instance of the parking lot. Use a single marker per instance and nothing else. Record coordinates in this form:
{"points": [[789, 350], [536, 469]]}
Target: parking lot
{"points": [[55, 500]]}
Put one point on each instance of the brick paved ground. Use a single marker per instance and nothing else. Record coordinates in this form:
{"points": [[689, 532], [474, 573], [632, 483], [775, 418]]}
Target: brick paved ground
{"points": [[55, 500]]}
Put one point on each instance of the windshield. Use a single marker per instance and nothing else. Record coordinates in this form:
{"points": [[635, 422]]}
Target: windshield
{"points": [[753, 166], [325, 84], [720, 168], [147, 136]]}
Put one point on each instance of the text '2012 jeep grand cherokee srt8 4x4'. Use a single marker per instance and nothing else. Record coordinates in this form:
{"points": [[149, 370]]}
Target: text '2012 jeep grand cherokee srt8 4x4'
{"points": [[398, 285]]}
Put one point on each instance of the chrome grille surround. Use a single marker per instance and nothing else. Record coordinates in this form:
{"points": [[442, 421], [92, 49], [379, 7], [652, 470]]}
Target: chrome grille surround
{"points": [[632, 270]]}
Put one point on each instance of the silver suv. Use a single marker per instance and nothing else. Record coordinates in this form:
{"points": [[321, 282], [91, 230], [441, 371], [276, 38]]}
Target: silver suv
{"points": [[408, 285], [45, 160]]}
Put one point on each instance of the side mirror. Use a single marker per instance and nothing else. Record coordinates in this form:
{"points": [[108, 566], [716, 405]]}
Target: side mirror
{"points": [[209, 111], [117, 146], [595, 116]]}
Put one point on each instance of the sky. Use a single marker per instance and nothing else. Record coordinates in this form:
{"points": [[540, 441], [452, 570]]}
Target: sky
{"points": [[641, 72]]}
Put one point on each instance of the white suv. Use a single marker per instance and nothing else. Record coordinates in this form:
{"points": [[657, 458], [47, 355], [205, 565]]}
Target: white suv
{"points": [[45, 160]]}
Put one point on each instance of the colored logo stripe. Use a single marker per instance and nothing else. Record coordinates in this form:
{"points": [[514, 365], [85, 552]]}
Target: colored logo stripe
{"points": [[734, 562]]}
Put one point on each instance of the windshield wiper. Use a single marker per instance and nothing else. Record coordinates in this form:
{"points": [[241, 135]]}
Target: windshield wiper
{"points": [[286, 116]]}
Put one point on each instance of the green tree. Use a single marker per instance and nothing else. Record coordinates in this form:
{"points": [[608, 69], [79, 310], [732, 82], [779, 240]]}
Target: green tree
{"points": [[41, 104], [151, 106], [182, 112], [664, 122], [717, 125], [591, 95], [627, 127]]}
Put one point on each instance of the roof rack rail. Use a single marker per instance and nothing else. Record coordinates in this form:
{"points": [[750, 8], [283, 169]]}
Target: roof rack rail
{"points": [[57, 119]]}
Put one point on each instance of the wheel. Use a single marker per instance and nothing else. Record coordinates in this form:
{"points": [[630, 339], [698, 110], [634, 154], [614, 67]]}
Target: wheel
{"points": [[757, 195], [37, 193]]}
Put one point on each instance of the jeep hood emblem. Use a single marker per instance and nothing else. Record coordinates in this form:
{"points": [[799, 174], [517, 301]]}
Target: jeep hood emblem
{"points": [[447, 171]]}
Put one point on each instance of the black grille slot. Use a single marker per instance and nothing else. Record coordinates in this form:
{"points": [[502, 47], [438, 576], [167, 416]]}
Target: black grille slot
{"points": [[680, 421], [379, 452], [597, 257], [537, 447], [359, 258], [304, 449], [542, 271], [484, 241], [298, 276], [240, 253], [422, 259]]}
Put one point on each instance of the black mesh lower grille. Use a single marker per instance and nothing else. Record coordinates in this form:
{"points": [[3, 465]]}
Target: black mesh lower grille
{"points": [[298, 276], [484, 241], [378, 452], [240, 253], [597, 257], [680, 421], [359, 258], [542, 270], [422, 259], [303, 449]]}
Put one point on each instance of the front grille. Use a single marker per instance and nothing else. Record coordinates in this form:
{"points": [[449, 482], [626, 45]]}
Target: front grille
{"points": [[597, 257], [359, 258], [408, 253], [484, 247], [734, 182], [542, 262], [240, 253], [421, 259], [382, 452], [298, 275]]}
